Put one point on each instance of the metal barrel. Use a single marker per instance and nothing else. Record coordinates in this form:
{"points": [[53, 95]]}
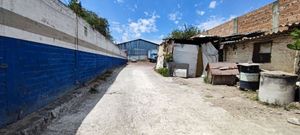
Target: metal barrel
{"points": [[249, 76]]}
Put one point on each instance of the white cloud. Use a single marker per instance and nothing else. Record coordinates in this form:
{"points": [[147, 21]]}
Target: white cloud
{"points": [[143, 25], [212, 4], [199, 12], [175, 17], [135, 29], [214, 21]]}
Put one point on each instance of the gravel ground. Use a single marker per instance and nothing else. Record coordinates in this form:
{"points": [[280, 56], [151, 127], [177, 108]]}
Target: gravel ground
{"points": [[138, 101]]}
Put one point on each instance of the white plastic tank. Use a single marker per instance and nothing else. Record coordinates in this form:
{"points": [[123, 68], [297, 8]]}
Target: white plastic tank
{"points": [[277, 87]]}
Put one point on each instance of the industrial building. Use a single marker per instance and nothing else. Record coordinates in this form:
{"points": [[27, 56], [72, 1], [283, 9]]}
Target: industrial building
{"points": [[138, 49]]}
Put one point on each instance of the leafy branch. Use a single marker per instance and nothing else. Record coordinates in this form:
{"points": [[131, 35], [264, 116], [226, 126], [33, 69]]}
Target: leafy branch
{"points": [[296, 37], [185, 33]]}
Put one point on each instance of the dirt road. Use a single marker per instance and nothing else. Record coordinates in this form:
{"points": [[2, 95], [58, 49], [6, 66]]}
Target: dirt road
{"points": [[141, 102]]}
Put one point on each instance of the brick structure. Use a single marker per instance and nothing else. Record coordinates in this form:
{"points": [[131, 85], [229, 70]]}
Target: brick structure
{"points": [[270, 50], [289, 11], [223, 30], [282, 58], [268, 19]]}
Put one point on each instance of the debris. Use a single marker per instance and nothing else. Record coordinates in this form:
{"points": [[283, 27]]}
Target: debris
{"points": [[295, 121], [292, 106], [93, 90], [222, 73]]}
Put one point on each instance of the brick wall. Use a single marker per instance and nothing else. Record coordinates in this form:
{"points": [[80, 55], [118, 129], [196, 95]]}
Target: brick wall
{"points": [[259, 20], [289, 11], [266, 18], [282, 58], [223, 30]]}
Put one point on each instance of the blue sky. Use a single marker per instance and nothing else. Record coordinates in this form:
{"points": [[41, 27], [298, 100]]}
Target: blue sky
{"points": [[155, 19]]}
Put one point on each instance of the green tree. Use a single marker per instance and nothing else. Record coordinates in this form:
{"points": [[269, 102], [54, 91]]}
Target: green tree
{"points": [[98, 23], [185, 33], [75, 5], [296, 37]]}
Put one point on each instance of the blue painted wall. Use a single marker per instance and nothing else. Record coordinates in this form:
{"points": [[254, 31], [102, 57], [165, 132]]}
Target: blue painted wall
{"points": [[138, 48], [37, 74]]}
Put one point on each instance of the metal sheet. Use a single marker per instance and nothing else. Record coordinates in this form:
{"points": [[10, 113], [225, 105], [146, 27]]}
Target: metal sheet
{"points": [[188, 54]]}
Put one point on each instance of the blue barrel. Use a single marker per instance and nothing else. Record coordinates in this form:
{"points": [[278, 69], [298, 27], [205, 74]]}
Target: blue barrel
{"points": [[249, 76]]}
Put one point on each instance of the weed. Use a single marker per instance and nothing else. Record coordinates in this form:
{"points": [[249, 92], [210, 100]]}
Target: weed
{"points": [[169, 57], [252, 95], [270, 104], [292, 106], [163, 71], [205, 79], [209, 96]]}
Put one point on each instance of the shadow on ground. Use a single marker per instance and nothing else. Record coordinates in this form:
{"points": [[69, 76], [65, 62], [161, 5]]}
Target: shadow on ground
{"points": [[69, 123], [75, 106]]}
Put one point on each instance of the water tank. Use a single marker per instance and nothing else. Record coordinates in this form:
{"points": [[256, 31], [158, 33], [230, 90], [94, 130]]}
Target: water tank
{"points": [[249, 76], [277, 87]]}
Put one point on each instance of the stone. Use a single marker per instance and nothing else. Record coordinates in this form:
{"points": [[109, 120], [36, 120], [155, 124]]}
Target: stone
{"points": [[295, 121]]}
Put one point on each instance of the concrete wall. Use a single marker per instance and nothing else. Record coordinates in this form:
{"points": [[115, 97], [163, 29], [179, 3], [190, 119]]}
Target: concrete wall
{"points": [[40, 58], [282, 58], [268, 19]]}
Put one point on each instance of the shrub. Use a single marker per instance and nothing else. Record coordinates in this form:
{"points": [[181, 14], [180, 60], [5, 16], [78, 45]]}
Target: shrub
{"points": [[169, 58], [163, 71], [98, 23]]}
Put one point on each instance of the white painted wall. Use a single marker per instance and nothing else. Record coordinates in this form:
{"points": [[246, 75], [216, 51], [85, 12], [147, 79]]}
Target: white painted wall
{"points": [[56, 15]]}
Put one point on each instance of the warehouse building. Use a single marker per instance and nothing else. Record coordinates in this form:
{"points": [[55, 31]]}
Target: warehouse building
{"points": [[138, 49]]}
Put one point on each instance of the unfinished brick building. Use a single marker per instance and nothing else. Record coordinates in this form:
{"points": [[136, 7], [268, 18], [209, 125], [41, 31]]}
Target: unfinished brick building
{"points": [[269, 28]]}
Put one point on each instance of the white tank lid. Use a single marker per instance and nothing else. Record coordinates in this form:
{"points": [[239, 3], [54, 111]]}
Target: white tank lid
{"points": [[248, 64], [278, 74]]}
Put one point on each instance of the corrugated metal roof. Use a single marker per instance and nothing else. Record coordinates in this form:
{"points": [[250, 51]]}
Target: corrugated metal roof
{"points": [[222, 68], [203, 36]]}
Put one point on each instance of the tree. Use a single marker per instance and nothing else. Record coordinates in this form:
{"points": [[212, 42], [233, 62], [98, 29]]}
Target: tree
{"points": [[98, 23], [75, 5], [185, 33], [296, 37], [296, 46]]}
